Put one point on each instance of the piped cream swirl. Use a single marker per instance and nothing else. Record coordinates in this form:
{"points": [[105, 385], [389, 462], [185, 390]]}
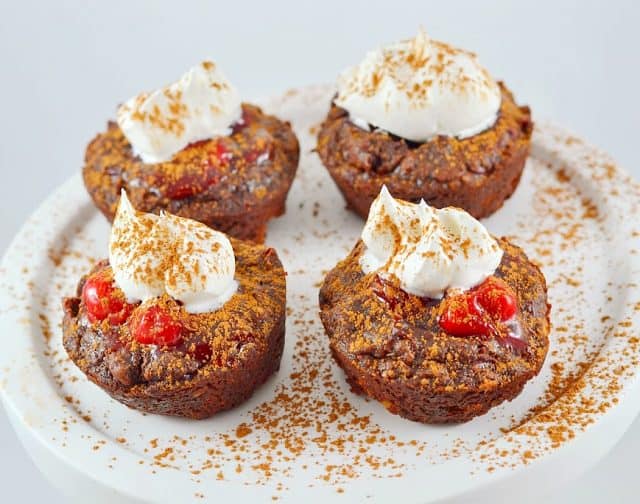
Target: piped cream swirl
{"points": [[428, 250], [201, 105], [152, 255], [420, 88]]}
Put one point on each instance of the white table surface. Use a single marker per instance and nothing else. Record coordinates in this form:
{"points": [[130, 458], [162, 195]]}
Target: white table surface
{"points": [[65, 66]]}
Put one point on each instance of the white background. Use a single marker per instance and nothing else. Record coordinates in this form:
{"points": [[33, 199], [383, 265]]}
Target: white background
{"points": [[64, 66]]}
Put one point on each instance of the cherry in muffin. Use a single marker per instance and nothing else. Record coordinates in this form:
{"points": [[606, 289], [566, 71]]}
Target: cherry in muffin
{"points": [[180, 320], [432, 316], [426, 120], [193, 149]]}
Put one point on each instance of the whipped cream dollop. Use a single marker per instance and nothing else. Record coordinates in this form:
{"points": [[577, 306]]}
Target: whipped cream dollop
{"points": [[420, 88], [201, 105], [151, 255], [428, 250]]}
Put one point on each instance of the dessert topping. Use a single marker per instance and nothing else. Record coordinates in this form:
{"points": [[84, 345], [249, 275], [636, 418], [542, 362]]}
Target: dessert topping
{"points": [[420, 88], [103, 300], [481, 311], [152, 255], [428, 250], [201, 105]]}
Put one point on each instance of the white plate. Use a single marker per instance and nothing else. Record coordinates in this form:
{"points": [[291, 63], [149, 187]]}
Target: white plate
{"points": [[311, 438]]}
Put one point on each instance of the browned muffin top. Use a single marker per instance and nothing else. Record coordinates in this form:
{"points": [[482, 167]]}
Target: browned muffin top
{"points": [[397, 162], [389, 333], [224, 171], [207, 341]]}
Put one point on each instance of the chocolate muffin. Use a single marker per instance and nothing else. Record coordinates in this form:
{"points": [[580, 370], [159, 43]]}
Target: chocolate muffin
{"points": [[156, 357], [414, 138], [233, 178], [399, 349]]}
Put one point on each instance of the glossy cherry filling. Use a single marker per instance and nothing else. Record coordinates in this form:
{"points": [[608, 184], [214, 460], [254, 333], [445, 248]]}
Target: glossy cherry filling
{"points": [[155, 325], [219, 156], [152, 324], [486, 310], [103, 300]]}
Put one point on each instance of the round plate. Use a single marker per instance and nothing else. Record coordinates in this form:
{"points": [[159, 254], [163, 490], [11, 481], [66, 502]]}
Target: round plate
{"points": [[304, 435]]}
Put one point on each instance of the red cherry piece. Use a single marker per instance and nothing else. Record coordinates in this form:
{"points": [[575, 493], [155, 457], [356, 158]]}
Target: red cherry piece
{"points": [[156, 326], [96, 295], [496, 297], [480, 311], [103, 299], [461, 317]]}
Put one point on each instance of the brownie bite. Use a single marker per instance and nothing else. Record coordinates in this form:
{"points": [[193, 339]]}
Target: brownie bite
{"points": [[231, 171], [437, 360], [170, 354], [411, 133]]}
